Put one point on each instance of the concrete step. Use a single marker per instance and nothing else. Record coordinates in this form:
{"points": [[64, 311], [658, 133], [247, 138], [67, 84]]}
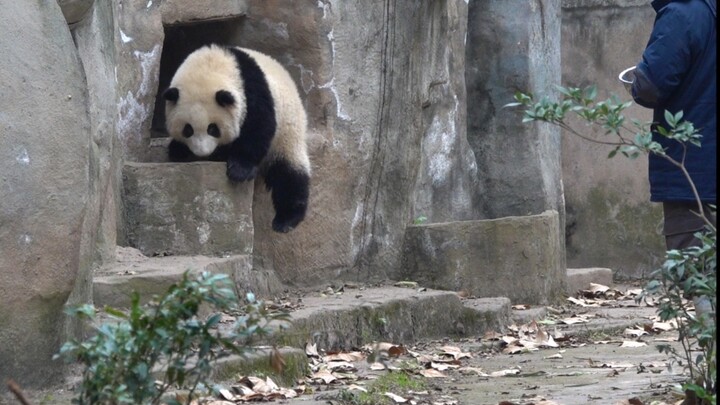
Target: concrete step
{"points": [[580, 279], [132, 271], [389, 314], [186, 209], [516, 257]]}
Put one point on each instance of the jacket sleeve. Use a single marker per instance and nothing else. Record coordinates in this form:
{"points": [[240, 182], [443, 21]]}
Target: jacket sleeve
{"points": [[666, 58]]}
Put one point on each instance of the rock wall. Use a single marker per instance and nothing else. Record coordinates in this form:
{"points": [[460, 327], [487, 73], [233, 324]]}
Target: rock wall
{"points": [[610, 221], [384, 85], [47, 186]]}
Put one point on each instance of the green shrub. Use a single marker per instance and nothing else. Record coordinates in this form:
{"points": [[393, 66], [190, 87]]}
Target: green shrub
{"points": [[166, 336]]}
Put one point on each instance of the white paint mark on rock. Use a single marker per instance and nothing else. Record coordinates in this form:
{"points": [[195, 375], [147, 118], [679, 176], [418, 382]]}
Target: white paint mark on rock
{"points": [[23, 158], [25, 239], [325, 8], [148, 61], [150, 4], [340, 111], [203, 233], [124, 38], [133, 112]]}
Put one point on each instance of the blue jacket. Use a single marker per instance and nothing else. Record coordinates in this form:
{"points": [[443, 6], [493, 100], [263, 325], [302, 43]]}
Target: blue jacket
{"points": [[678, 72]]}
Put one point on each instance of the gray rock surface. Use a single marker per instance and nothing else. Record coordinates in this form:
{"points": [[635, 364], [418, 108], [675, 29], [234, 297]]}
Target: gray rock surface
{"points": [[44, 185], [185, 11], [580, 279], [75, 10], [186, 209], [514, 257], [133, 271]]}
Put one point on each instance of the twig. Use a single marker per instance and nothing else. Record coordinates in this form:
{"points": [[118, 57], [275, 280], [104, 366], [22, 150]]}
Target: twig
{"points": [[15, 389]]}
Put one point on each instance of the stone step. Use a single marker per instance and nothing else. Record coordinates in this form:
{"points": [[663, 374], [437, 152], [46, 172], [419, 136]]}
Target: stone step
{"points": [[516, 257], [389, 314], [132, 271], [580, 279], [186, 209]]}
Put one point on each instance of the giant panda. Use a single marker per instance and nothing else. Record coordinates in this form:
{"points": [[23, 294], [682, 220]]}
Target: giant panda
{"points": [[242, 107]]}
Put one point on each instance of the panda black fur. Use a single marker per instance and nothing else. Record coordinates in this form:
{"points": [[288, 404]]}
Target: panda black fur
{"points": [[242, 107]]}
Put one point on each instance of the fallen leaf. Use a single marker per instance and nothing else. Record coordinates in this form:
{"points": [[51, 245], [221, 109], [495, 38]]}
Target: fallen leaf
{"points": [[664, 326], [430, 373], [554, 356], [503, 373], [634, 332], [355, 387], [351, 356], [340, 365], [520, 307], [397, 398], [396, 351], [311, 350], [325, 375], [633, 343], [455, 352], [377, 366], [469, 370], [277, 363]]}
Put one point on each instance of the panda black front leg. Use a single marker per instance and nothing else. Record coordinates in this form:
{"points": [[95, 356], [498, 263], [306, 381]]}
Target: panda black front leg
{"points": [[239, 170], [290, 188]]}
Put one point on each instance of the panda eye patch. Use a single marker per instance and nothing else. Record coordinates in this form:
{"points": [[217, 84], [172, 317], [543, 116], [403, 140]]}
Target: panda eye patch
{"points": [[213, 130], [188, 131]]}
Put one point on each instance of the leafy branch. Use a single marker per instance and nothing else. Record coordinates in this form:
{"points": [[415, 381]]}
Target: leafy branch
{"points": [[167, 336], [629, 140]]}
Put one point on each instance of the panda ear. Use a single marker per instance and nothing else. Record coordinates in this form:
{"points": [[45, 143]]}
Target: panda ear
{"points": [[172, 94], [224, 98]]}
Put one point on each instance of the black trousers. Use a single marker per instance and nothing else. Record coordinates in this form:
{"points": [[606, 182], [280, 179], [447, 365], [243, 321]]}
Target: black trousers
{"points": [[681, 222]]}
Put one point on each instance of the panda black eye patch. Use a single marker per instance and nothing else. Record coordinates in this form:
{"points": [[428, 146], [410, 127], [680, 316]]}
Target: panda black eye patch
{"points": [[188, 131], [213, 130]]}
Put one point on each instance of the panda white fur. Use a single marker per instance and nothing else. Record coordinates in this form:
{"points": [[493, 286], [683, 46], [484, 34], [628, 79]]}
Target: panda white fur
{"points": [[240, 106]]}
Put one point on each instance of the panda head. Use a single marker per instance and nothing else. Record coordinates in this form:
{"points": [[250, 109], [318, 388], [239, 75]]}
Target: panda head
{"points": [[203, 107]]}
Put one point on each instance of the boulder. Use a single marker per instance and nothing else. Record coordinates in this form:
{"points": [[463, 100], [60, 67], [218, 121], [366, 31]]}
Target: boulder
{"points": [[44, 185]]}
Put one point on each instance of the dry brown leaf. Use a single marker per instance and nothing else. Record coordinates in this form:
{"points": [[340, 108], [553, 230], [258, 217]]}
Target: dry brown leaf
{"points": [[396, 351], [455, 352], [311, 350], [325, 375], [633, 343], [340, 365], [218, 403], [503, 373], [545, 339], [492, 335], [664, 326], [573, 320], [581, 303], [430, 373], [554, 356], [469, 370], [634, 332], [355, 387], [351, 356], [520, 307], [277, 363], [226, 394], [377, 366], [443, 366], [396, 398]]}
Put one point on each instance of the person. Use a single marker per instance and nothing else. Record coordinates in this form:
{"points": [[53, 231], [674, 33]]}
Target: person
{"points": [[677, 73]]}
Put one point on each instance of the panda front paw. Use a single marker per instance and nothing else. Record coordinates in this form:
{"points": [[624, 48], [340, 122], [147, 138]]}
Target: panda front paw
{"points": [[285, 225], [239, 172]]}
